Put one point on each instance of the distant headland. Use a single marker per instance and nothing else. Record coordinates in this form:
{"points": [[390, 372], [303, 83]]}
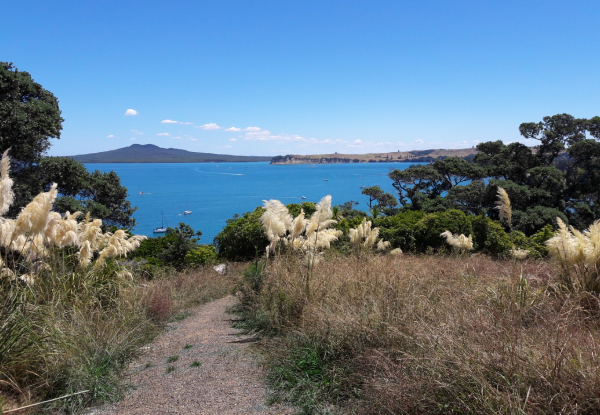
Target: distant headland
{"points": [[150, 153], [399, 156]]}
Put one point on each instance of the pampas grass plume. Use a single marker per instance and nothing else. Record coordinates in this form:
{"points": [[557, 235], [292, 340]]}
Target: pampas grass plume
{"points": [[34, 218], [503, 206], [460, 242], [6, 193]]}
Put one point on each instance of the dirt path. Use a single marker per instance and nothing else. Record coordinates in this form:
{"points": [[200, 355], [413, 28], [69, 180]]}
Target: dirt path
{"points": [[224, 380]]}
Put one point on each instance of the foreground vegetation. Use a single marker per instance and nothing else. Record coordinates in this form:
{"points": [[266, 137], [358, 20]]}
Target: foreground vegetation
{"points": [[426, 334], [75, 332]]}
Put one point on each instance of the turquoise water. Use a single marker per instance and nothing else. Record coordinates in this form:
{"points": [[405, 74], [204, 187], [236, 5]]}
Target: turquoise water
{"points": [[215, 192]]}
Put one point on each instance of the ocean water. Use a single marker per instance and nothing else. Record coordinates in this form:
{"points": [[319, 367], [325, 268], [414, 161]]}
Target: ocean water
{"points": [[215, 192]]}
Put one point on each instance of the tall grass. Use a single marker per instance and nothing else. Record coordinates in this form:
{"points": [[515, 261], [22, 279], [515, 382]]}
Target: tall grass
{"points": [[389, 334]]}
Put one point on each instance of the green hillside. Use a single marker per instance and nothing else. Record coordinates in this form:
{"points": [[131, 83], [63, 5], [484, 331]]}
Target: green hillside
{"points": [[150, 153]]}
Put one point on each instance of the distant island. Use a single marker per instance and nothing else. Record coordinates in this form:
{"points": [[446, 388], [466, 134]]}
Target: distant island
{"points": [[150, 153], [399, 156]]}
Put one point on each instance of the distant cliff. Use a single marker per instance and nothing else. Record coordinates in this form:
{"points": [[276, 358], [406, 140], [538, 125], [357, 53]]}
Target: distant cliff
{"points": [[149, 153], [417, 156]]}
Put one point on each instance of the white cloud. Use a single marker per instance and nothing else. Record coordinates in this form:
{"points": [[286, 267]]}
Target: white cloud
{"points": [[419, 141], [137, 132], [209, 126], [191, 139], [228, 146], [233, 129], [462, 143], [169, 122], [132, 138], [176, 138], [186, 123], [357, 141], [110, 136], [165, 134], [233, 139], [252, 129], [131, 112]]}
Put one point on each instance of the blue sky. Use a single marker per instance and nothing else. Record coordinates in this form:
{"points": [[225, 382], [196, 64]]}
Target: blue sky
{"points": [[305, 77]]}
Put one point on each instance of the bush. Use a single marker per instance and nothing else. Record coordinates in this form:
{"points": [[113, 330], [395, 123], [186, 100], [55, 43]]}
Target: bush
{"points": [[536, 218], [170, 249], [243, 238], [427, 230], [204, 254], [489, 236]]}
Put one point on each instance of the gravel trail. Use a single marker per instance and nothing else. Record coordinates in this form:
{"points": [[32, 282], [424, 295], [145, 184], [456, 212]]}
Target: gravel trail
{"points": [[214, 371]]}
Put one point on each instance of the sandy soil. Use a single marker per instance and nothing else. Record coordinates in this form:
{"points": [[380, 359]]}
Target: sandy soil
{"points": [[227, 381]]}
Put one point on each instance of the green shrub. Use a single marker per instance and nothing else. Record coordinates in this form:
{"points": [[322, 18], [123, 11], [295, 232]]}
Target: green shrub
{"points": [[243, 237], [170, 249], [204, 254], [489, 236], [427, 230]]}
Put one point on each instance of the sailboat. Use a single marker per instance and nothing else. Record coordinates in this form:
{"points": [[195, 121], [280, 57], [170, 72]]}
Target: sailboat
{"points": [[189, 211], [162, 228]]}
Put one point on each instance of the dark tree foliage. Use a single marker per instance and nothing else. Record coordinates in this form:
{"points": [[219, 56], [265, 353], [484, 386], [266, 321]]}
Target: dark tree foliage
{"points": [[558, 178], [384, 200], [243, 238], [99, 193]]}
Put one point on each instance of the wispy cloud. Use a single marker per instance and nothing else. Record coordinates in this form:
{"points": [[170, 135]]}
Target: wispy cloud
{"points": [[419, 141], [176, 138], [131, 112], [209, 126], [164, 134], [191, 139], [357, 142], [110, 136], [169, 122], [132, 138], [233, 139], [251, 129], [186, 123], [137, 132], [233, 129]]}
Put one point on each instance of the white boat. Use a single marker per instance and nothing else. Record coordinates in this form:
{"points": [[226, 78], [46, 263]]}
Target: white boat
{"points": [[162, 228], [187, 212], [303, 197]]}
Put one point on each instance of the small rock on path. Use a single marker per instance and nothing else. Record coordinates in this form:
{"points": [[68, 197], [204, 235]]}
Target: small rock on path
{"points": [[227, 381]]}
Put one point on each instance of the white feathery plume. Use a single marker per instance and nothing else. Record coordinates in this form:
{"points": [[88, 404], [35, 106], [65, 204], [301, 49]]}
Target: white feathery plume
{"points": [[85, 254], [396, 251], [321, 218], [503, 206], [7, 229], [6, 193], [383, 245], [29, 279], [33, 219], [276, 219], [7, 273], [519, 254], [460, 242], [298, 225]]}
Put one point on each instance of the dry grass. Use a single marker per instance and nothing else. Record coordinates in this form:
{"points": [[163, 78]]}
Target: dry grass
{"points": [[432, 335]]}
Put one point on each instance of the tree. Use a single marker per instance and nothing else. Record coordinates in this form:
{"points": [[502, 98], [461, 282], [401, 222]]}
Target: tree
{"points": [[29, 118], [383, 199], [554, 134]]}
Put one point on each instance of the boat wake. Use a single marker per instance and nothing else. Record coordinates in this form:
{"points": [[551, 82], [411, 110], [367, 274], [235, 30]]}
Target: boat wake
{"points": [[214, 172]]}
